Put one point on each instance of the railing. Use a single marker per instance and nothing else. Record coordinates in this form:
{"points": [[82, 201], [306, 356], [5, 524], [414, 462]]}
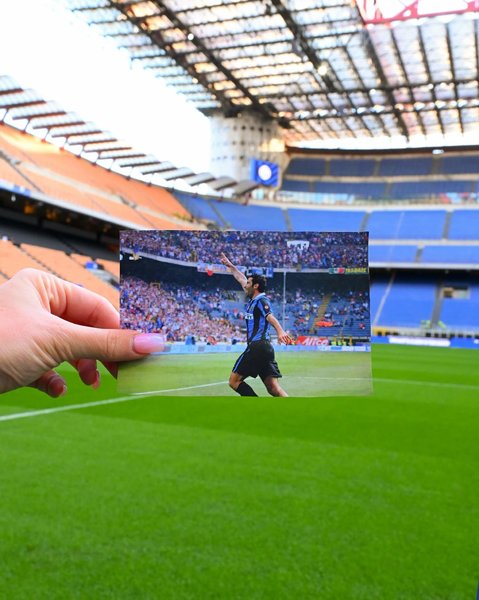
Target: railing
{"points": [[353, 200]]}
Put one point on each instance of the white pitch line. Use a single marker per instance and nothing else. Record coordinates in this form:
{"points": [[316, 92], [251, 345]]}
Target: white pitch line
{"points": [[55, 409], [190, 387], [66, 407]]}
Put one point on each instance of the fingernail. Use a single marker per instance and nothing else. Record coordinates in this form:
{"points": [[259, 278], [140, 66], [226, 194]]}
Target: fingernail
{"points": [[96, 383], [145, 343]]}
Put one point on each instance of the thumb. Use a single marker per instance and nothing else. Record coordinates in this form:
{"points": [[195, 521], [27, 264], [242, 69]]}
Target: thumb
{"points": [[111, 345]]}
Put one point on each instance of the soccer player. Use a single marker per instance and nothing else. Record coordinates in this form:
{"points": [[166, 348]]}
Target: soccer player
{"points": [[258, 358]]}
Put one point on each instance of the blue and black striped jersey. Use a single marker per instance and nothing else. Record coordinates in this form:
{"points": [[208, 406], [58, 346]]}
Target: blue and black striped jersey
{"points": [[257, 327]]}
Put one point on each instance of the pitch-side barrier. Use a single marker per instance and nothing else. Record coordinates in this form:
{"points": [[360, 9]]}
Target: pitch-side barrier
{"points": [[201, 348]]}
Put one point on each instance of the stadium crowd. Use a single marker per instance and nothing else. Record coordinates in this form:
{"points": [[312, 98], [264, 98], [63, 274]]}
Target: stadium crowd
{"points": [[211, 316], [177, 312], [254, 248]]}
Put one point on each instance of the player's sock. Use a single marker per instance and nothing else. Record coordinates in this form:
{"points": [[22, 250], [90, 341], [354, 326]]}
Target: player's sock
{"points": [[245, 390]]}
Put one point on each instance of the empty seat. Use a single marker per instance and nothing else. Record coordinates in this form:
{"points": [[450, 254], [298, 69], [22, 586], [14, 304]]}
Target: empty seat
{"points": [[314, 167], [351, 167], [252, 217], [405, 166], [451, 254], [325, 220], [464, 225], [391, 254]]}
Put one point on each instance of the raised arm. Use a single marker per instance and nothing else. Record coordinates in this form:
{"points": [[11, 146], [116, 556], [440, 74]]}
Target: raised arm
{"points": [[238, 275], [283, 337]]}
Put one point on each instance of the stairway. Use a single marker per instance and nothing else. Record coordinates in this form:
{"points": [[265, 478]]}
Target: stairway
{"points": [[436, 311], [221, 220], [447, 225], [321, 311], [289, 225]]}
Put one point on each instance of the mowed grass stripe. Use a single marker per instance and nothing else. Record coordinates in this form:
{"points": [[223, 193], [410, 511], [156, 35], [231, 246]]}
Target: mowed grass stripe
{"points": [[191, 512], [10, 416], [356, 498]]}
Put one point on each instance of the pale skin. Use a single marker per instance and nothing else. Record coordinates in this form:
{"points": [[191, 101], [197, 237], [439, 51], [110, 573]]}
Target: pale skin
{"points": [[45, 321], [251, 291]]}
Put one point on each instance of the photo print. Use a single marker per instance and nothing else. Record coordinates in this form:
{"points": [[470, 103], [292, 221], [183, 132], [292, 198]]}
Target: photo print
{"points": [[249, 313]]}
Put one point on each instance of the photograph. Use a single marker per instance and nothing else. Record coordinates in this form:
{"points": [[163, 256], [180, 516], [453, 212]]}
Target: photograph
{"points": [[249, 313]]}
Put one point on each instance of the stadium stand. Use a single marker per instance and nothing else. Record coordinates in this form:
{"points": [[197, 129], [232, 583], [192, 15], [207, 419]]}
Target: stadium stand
{"points": [[383, 177], [445, 255], [405, 166], [412, 225], [58, 174], [262, 218], [307, 166], [408, 303], [460, 313], [460, 164], [351, 168], [362, 189], [402, 234], [380, 253], [464, 225], [12, 259], [199, 207], [9, 174], [417, 230], [325, 220], [430, 189]]}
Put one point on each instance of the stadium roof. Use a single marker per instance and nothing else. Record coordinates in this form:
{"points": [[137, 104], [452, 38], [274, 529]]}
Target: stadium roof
{"points": [[323, 69], [26, 110]]}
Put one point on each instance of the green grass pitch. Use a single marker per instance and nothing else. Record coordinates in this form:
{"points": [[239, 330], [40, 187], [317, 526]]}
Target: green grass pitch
{"points": [[169, 497], [304, 374]]}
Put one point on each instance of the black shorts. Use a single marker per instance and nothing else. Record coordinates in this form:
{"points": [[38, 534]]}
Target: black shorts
{"points": [[257, 359]]}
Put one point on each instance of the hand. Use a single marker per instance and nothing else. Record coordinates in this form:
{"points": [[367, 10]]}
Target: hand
{"points": [[283, 338], [226, 261], [45, 321]]}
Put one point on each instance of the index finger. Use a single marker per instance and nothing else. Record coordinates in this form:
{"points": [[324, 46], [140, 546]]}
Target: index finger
{"points": [[79, 305]]}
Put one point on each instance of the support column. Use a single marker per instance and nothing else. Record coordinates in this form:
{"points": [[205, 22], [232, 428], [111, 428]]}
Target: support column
{"points": [[235, 141]]}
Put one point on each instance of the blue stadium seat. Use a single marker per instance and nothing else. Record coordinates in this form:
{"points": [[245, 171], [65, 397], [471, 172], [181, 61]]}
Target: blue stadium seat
{"points": [[290, 185], [461, 313], [384, 225], [408, 303], [313, 167], [391, 254], [418, 189], [464, 225], [422, 224], [378, 288], [399, 224], [451, 254], [351, 167], [362, 190], [460, 164], [405, 166], [198, 207], [252, 217], [325, 220]]}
